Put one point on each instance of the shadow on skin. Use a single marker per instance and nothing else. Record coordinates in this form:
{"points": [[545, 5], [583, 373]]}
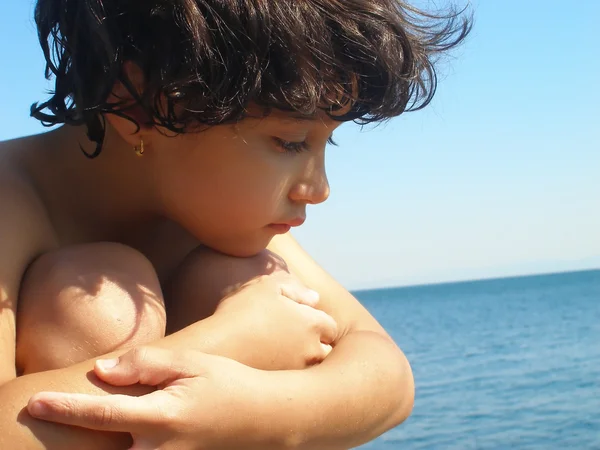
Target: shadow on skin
{"points": [[206, 278], [86, 303]]}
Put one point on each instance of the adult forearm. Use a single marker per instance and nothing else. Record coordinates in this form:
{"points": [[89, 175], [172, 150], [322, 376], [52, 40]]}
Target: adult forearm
{"points": [[364, 388]]}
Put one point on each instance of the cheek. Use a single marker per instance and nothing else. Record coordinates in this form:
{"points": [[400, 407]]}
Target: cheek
{"points": [[233, 181], [247, 184], [233, 198], [245, 201]]}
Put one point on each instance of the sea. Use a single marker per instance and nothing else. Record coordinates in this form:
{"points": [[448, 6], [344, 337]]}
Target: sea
{"points": [[499, 364]]}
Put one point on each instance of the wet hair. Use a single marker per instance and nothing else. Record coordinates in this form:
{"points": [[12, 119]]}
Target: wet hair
{"points": [[204, 61]]}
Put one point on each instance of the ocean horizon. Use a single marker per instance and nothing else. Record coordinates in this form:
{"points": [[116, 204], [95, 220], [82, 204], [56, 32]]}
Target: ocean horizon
{"points": [[405, 285]]}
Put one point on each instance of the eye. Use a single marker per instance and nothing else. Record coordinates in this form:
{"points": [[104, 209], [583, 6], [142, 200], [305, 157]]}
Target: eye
{"points": [[289, 146]]}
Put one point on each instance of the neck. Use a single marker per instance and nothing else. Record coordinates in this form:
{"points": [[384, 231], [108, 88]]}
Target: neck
{"points": [[104, 198]]}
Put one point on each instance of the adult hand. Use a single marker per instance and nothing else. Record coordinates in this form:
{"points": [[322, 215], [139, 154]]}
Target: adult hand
{"points": [[274, 324], [204, 402]]}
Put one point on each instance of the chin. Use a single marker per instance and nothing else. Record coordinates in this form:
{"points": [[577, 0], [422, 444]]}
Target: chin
{"points": [[241, 250]]}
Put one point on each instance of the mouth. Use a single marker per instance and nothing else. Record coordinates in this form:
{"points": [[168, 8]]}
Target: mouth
{"points": [[284, 227]]}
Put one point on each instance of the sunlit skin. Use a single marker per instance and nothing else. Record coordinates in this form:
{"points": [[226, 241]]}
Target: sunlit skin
{"points": [[225, 185], [250, 175], [266, 351], [236, 189]]}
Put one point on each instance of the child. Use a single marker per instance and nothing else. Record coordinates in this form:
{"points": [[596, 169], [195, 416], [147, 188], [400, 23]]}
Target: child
{"points": [[203, 126]]}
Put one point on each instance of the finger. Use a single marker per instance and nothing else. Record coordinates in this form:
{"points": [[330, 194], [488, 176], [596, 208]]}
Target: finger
{"points": [[294, 290], [326, 349], [320, 353], [148, 365], [120, 413], [326, 325]]}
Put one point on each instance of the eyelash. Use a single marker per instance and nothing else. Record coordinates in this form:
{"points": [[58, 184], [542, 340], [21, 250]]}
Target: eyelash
{"points": [[296, 147]]}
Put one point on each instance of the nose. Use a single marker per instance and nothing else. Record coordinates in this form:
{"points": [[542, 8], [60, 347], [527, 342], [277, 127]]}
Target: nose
{"points": [[312, 189]]}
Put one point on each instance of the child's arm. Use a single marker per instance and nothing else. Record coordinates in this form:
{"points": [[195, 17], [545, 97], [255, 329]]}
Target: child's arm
{"points": [[375, 391], [376, 372], [362, 389], [19, 430], [25, 233]]}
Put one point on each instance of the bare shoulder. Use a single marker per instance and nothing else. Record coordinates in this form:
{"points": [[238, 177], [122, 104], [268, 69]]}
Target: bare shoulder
{"points": [[24, 217], [25, 228], [24, 234], [336, 301]]}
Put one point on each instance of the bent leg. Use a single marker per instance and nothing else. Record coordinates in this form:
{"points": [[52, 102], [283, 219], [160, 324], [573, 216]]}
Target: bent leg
{"points": [[84, 301], [205, 277]]}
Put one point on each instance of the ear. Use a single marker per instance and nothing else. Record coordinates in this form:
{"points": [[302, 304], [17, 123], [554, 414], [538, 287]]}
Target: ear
{"points": [[127, 129]]}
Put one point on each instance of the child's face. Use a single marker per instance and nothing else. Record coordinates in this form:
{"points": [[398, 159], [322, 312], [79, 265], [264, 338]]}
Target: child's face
{"points": [[235, 186]]}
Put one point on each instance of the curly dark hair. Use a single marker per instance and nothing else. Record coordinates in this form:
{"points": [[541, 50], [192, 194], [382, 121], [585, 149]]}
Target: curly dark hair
{"points": [[204, 61]]}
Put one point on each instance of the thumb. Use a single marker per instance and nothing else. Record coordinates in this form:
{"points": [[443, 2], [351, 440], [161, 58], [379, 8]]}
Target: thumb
{"points": [[147, 365]]}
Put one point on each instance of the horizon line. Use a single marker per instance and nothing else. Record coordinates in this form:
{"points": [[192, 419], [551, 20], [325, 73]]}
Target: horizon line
{"points": [[472, 280]]}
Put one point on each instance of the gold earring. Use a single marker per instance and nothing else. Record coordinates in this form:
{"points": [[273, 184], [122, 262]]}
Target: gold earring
{"points": [[139, 149]]}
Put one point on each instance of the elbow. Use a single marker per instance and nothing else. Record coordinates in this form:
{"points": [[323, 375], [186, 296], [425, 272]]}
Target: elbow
{"points": [[407, 396], [403, 401], [397, 383]]}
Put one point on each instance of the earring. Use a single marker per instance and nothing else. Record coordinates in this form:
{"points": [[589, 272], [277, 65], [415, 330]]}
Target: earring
{"points": [[139, 149]]}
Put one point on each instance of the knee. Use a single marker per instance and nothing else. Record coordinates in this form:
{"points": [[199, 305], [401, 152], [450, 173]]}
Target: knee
{"points": [[205, 277], [85, 301], [220, 271]]}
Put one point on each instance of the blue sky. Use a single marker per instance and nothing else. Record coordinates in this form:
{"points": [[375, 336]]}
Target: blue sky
{"points": [[498, 177]]}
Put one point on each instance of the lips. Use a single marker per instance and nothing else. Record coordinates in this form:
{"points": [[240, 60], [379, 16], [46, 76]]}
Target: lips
{"points": [[284, 227], [280, 228], [295, 222]]}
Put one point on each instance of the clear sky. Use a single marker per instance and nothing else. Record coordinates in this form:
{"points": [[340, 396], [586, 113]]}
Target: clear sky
{"points": [[499, 176]]}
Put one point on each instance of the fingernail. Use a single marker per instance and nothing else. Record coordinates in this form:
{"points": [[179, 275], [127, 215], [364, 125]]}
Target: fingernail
{"points": [[312, 296], [107, 364], [38, 409]]}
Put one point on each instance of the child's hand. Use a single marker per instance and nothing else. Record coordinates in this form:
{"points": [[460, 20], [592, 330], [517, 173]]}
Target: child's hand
{"points": [[274, 322], [204, 402]]}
